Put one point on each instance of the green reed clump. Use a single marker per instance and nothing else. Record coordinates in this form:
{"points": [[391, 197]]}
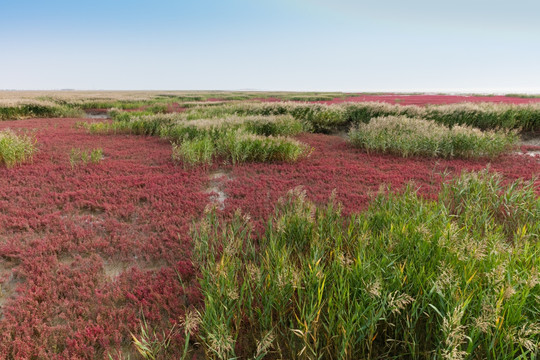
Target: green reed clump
{"points": [[235, 139], [192, 104], [16, 148], [278, 125], [157, 108], [363, 112], [38, 109], [110, 104], [134, 124], [323, 118], [309, 98], [148, 125], [181, 129], [315, 117], [487, 115], [119, 115], [524, 96], [105, 127], [237, 146], [232, 138], [407, 279], [195, 151], [328, 118], [478, 201], [406, 136], [484, 116], [152, 345], [85, 157]]}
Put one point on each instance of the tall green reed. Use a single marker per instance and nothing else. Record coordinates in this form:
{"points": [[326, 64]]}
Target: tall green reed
{"points": [[407, 279], [16, 148]]}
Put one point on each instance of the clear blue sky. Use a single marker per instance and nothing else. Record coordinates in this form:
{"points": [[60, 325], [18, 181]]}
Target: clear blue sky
{"points": [[341, 45]]}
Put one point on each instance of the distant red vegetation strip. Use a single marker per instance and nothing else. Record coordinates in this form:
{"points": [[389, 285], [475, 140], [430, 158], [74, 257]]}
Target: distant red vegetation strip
{"points": [[67, 235], [425, 99]]}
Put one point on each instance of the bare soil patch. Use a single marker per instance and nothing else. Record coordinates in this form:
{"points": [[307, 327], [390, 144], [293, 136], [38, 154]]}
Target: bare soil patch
{"points": [[218, 180]]}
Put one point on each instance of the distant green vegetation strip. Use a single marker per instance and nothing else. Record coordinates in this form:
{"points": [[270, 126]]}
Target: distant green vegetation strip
{"points": [[36, 110], [158, 103], [406, 137], [455, 278], [525, 96], [50, 106], [321, 117], [328, 118]]}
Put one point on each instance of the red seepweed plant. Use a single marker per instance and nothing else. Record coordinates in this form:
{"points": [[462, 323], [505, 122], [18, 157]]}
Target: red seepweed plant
{"points": [[88, 252]]}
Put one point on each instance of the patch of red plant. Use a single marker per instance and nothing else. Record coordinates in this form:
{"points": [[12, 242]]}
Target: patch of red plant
{"points": [[87, 252], [175, 108], [354, 175], [64, 232], [422, 100], [433, 99]]}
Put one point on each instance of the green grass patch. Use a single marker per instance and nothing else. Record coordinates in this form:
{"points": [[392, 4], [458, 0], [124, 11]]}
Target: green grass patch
{"points": [[407, 279], [104, 127], [84, 157], [406, 137], [16, 149], [524, 96], [237, 146], [280, 125], [38, 110], [110, 104], [194, 152], [487, 115], [315, 117]]}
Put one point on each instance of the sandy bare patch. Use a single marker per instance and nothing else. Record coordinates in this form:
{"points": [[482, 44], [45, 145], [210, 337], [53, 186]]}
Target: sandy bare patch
{"points": [[97, 114], [531, 153], [218, 179], [8, 282], [114, 268]]}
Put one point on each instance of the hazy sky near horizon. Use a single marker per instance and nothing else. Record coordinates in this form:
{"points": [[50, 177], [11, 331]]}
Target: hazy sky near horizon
{"points": [[325, 45]]}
